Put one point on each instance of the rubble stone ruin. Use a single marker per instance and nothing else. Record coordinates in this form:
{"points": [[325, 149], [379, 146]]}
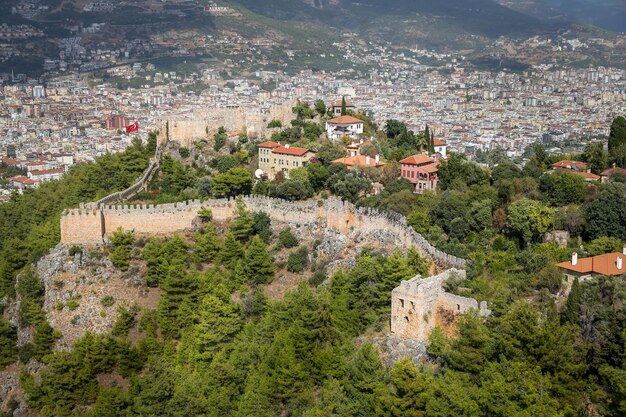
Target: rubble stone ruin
{"points": [[419, 305]]}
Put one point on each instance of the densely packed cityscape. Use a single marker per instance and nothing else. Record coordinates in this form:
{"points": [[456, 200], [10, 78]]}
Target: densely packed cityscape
{"points": [[468, 108]]}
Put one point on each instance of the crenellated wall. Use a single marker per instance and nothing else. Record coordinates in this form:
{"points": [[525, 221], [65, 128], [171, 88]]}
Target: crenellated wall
{"points": [[79, 225]]}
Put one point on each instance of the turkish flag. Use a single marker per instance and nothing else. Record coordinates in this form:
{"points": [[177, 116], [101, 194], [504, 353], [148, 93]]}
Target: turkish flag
{"points": [[132, 128]]}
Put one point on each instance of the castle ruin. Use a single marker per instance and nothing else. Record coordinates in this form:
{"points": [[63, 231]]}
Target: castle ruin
{"points": [[186, 128], [419, 305]]}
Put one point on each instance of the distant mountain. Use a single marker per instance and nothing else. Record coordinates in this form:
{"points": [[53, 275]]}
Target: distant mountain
{"points": [[607, 14], [478, 17]]}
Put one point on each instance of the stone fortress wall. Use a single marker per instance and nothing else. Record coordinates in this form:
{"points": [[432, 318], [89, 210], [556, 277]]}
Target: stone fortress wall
{"points": [[419, 305], [92, 223], [186, 128]]}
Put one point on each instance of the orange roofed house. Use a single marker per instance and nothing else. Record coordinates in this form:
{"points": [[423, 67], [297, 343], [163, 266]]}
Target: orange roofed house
{"points": [[585, 268], [421, 171], [361, 161], [577, 168], [275, 158]]}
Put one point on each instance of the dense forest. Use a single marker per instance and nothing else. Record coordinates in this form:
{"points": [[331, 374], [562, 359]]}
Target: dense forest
{"points": [[218, 346]]}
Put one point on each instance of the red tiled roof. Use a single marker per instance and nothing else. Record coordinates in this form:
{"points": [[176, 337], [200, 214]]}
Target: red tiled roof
{"points": [[438, 142], [585, 175], [291, 151], [269, 144], [345, 120], [23, 180], [416, 160], [358, 160], [611, 171], [11, 161], [48, 171], [602, 264], [568, 164]]}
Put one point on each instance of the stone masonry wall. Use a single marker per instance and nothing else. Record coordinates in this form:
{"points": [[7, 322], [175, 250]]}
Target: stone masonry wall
{"points": [[418, 304], [202, 124], [78, 227]]}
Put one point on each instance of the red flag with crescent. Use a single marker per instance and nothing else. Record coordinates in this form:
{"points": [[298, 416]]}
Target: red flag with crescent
{"points": [[132, 128]]}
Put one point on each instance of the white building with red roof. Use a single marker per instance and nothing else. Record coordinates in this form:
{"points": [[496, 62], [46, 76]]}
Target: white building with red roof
{"points": [[344, 126]]}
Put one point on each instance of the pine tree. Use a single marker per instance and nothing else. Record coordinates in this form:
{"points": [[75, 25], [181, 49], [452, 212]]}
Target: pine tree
{"points": [[617, 135], [219, 322], [258, 265], [365, 377], [208, 245], [177, 304], [395, 269], [243, 223], [232, 249], [411, 391], [344, 111], [427, 138]]}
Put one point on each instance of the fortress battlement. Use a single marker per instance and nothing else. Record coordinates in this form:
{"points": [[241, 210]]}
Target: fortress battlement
{"points": [[92, 223]]}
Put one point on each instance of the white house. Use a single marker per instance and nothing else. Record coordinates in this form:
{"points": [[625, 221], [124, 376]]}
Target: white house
{"points": [[46, 175], [344, 126], [440, 147]]}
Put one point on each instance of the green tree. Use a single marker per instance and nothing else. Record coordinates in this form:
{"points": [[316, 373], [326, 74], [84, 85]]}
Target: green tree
{"points": [[458, 170], [220, 320], [287, 238], [232, 249], [208, 245], [320, 107], [330, 151], [410, 390], [343, 106], [606, 215], [177, 303], [235, 181], [219, 139], [617, 135], [349, 185], [121, 246], [563, 188], [317, 175], [258, 265], [262, 226], [530, 219], [596, 157], [243, 223], [293, 190], [274, 123], [8, 348]]}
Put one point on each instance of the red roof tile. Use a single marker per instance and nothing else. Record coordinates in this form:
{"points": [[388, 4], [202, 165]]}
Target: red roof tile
{"points": [[291, 151], [345, 120], [358, 160], [269, 145], [418, 159], [602, 264]]}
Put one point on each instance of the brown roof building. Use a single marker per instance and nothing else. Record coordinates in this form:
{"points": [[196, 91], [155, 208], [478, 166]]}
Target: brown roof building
{"points": [[585, 268]]}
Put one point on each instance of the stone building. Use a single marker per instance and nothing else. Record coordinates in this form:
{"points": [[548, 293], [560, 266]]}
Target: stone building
{"points": [[419, 305], [275, 158]]}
